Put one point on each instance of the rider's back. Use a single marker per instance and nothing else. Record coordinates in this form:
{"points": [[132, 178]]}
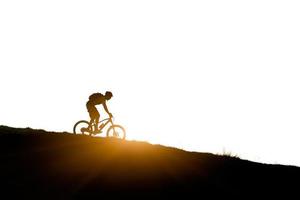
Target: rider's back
{"points": [[96, 98]]}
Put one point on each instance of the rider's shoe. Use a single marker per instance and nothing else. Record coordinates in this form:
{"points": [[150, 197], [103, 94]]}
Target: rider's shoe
{"points": [[97, 131]]}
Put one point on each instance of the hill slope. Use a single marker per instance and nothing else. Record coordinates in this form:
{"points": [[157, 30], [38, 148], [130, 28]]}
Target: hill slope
{"points": [[47, 165]]}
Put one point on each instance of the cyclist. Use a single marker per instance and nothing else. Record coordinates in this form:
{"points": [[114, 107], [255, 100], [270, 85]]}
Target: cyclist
{"points": [[97, 99]]}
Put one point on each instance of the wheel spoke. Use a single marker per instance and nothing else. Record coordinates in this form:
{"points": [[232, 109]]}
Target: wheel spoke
{"points": [[116, 131]]}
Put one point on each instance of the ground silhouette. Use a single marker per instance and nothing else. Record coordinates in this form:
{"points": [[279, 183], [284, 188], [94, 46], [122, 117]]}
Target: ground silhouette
{"points": [[37, 164]]}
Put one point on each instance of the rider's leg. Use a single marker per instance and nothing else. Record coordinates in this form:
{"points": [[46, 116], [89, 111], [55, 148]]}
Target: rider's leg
{"points": [[91, 110], [96, 117], [91, 122]]}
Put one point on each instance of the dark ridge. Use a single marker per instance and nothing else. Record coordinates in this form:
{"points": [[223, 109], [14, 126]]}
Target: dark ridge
{"points": [[38, 164]]}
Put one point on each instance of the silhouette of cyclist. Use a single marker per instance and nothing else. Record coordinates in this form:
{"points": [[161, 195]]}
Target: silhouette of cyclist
{"points": [[97, 99]]}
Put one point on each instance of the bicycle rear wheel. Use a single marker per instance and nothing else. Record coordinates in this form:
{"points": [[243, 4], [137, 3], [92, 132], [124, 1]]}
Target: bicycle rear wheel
{"points": [[82, 127], [116, 131]]}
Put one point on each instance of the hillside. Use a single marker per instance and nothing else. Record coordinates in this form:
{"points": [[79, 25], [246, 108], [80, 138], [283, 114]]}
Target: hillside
{"points": [[46, 165]]}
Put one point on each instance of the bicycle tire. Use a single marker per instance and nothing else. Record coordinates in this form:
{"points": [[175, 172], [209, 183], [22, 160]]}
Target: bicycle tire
{"points": [[86, 123], [112, 128]]}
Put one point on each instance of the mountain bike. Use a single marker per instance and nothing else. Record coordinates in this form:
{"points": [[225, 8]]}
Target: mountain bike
{"points": [[114, 130]]}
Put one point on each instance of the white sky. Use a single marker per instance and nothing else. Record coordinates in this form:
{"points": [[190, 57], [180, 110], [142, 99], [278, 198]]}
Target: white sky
{"points": [[207, 76]]}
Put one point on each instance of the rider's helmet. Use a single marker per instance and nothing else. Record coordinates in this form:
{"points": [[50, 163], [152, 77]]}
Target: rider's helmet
{"points": [[108, 95]]}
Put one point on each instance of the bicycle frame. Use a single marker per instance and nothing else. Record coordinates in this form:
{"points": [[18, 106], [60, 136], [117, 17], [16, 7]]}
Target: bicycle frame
{"points": [[88, 128], [108, 120]]}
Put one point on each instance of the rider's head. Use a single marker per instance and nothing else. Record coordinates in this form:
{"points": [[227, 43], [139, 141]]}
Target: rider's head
{"points": [[108, 95]]}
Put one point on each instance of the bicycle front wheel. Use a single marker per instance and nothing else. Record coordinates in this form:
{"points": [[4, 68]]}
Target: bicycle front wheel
{"points": [[82, 127], [116, 131]]}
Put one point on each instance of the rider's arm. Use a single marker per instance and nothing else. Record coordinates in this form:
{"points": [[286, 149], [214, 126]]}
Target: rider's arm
{"points": [[106, 109]]}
